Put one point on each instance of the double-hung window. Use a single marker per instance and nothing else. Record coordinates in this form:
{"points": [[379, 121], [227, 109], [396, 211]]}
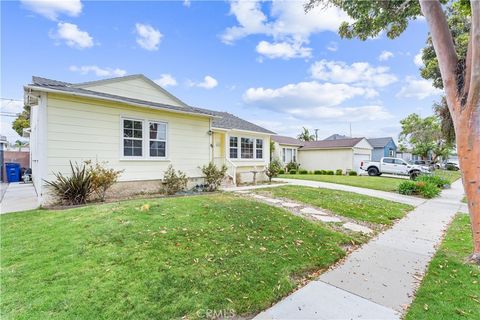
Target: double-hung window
{"points": [[233, 147], [132, 138], [144, 139], [259, 148], [246, 145], [289, 155], [158, 139]]}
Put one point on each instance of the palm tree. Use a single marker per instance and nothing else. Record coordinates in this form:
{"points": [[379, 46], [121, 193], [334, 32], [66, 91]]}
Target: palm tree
{"points": [[19, 144], [305, 135]]}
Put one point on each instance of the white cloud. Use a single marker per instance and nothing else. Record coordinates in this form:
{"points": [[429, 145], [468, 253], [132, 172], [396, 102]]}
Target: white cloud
{"points": [[332, 46], [417, 88], [359, 73], [73, 36], [166, 80], [51, 9], [304, 95], [208, 82], [418, 59], [99, 72], [147, 36], [286, 22], [385, 55], [352, 114], [187, 3], [283, 50]]}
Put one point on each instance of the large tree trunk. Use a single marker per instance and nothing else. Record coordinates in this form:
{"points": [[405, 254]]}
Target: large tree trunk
{"points": [[465, 112], [468, 148]]}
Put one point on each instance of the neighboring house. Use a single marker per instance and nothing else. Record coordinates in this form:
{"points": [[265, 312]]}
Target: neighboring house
{"points": [[405, 154], [383, 147], [336, 136], [138, 127], [345, 154]]}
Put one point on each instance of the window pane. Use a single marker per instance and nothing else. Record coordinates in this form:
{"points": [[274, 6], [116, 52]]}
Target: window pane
{"points": [[233, 153], [137, 152], [233, 142], [246, 148], [233, 147], [128, 124], [127, 133], [157, 149], [388, 160], [127, 151], [259, 153], [137, 125], [158, 131], [137, 133], [259, 143]]}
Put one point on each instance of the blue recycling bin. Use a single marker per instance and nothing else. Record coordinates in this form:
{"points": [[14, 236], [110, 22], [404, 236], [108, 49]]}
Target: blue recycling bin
{"points": [[13, 171]]}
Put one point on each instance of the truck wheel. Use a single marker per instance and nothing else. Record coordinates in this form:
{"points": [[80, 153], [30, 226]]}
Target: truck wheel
{"points": [[372, 172], [414, 174]]}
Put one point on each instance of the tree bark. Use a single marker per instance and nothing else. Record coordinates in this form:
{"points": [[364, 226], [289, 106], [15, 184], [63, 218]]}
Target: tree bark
{"points": [[466, 120]]}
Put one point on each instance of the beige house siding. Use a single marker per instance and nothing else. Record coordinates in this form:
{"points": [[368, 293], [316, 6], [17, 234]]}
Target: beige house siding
{"points": [[326, 159], [87, 129], [136, 88]]}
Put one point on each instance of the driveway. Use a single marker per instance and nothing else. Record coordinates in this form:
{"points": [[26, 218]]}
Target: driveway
{"points": [[19, 197]]}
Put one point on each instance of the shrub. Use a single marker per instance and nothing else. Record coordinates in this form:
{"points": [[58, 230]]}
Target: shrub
{"points": [[352, 173], [329, 172], [273, 169], [407, 188], [303, 171], [292, 171], [427, 189], [213, 175], [281, 171], [74, 189], [292, 166], [451, 167], [317, 172], [436, 180], [174, 181], [102, 178], [339, 172]]}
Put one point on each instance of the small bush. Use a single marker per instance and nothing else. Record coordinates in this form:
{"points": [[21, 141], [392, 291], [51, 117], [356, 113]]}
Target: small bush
{"points": [[174, 181], [74, 189], [281, 171], [292, 171], [436, 180], [213, 175], [425, 189], [317, 172], [352, 173], [102, 178], [272, 170], [292, 166], [339, 172], [407, 188], [329, 172], [451, 167], [303, 171]]}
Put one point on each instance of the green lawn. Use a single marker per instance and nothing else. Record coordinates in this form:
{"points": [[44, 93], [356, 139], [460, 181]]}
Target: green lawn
{"points": [[451, 287], [348, 204], [376, 183], [181, 256]]}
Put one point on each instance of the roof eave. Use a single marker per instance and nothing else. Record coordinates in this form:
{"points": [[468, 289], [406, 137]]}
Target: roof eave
{"points": [[116, 100]]}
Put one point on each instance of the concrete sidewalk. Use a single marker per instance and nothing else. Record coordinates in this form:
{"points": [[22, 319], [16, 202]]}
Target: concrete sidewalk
{"points": [[414, 201], [379, 280], [19, 197]]}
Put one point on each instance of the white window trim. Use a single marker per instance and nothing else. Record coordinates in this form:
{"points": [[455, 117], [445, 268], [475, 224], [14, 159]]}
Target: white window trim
{"points": [[293, 157], [145, 140], [239, 148]]}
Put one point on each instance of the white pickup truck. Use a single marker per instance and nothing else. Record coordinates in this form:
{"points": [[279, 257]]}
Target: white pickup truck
{"points": [[393, 166]]}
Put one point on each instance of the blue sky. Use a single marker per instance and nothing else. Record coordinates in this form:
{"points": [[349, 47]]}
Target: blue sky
{"points": [[267, 62]]}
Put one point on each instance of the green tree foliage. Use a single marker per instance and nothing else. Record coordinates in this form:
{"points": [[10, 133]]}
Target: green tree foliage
{"points": [[22, 121], [424, 136], [305, 135]]}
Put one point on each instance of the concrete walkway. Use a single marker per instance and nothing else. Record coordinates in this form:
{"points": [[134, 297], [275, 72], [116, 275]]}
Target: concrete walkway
{"points": [[19, 197], [414, 201], [379, 280]]}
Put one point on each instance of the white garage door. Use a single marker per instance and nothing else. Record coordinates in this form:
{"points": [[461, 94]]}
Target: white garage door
{"points": [[357, 160]]}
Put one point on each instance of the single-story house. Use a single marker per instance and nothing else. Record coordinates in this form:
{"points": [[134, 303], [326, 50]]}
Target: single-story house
{"points": [[345, 154], [336, 136], [383, 147], [136, 126]]}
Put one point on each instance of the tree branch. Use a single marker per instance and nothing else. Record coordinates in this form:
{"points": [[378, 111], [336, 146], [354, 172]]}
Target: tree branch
{"points": [[468, 69], [444, 49], [474, 79]]}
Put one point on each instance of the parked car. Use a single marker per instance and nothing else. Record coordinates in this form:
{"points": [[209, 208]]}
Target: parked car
{"points": [[425, 163], [393, 166], [451, 166]]}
